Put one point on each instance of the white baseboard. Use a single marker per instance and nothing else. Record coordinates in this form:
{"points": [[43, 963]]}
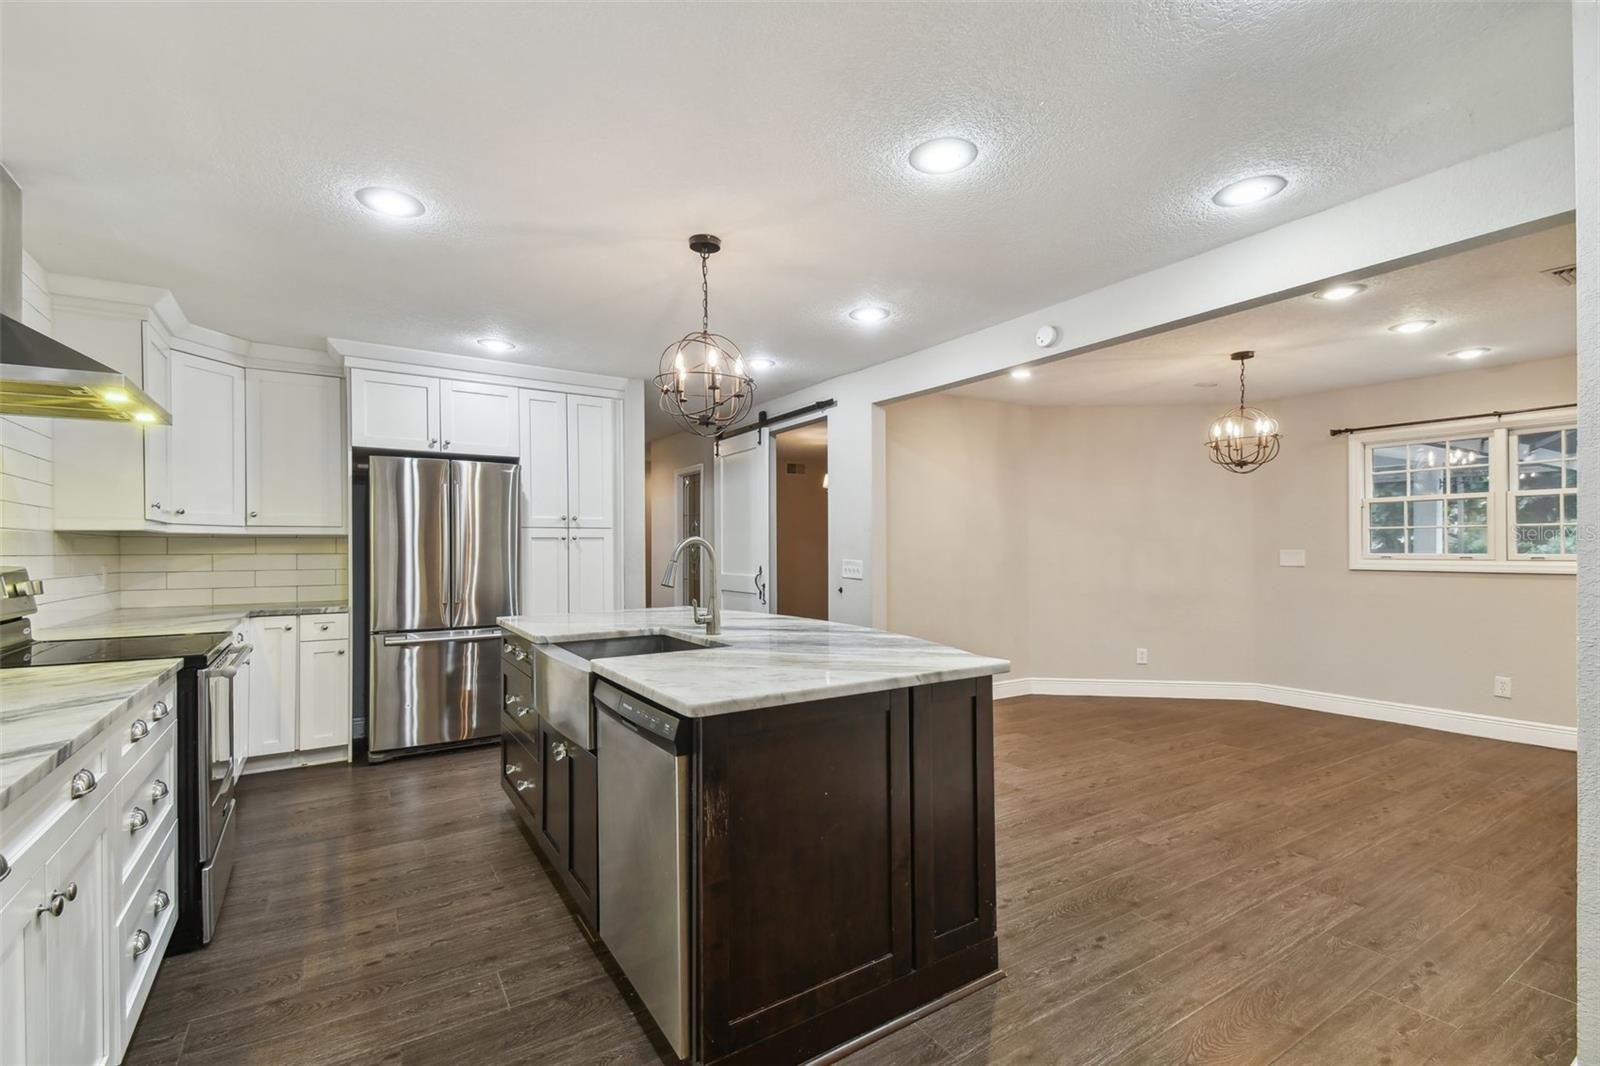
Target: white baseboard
{"points": [[1469, 723]]}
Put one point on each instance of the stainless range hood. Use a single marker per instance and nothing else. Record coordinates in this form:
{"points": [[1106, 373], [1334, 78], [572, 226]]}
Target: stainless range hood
{"points": [[42, 377]]}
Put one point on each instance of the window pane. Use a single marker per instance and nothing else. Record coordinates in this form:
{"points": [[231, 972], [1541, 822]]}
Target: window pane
{"points": [[1572, 473], [1539, 476], [1538, 540], [1468, 451], [1427, 482], [1569, 540], [1572, 443], [1426, 540], [1468, 512], [1386, 541], [1389, 484], [1426, 513], [1389, 458], [1424, 456], [1386, 514], [1532, 509], [1468, 540], [1469, 479], [1539, 445], [1569, 507]]}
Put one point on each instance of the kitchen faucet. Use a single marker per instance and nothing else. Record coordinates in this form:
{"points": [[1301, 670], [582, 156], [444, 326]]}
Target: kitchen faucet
{"points": [[710, 617]]}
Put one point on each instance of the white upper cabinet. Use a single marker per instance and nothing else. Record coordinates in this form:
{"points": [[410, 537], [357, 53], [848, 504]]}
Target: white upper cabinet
{"points": [[295, 454], [158, 385], [399, 411], [544, 459], [592, 461], [478, 419], [206, 443]]}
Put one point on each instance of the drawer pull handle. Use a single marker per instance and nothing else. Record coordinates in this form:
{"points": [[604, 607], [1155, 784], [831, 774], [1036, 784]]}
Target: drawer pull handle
{"points": [[161, 901], [139, 730], [559, 750], [159, 791], [83, 783], [137, 819], [521, 712], [523, 786], [141, 943], [159, 711], [512, 697], [512, 768]]}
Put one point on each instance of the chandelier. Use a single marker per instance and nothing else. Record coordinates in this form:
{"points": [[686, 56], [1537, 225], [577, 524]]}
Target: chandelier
{"points": [[1243, 438], [702, 378]]}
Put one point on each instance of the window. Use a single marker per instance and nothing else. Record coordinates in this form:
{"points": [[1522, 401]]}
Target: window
{"points": [[1491, 496]]}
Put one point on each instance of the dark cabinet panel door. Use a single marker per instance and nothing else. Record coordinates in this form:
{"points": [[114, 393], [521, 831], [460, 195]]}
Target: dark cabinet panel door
{"points": [[556, 811], [952, 743], [583, 853], [805, 862]]}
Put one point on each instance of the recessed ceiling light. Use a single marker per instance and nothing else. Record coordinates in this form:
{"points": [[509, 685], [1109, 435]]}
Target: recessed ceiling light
{"points": [[1340, 292], [1415, 325], [1249, 190], [1469, 353], [944, 155], [760, 362], [1021, 373], [496, 345], [870, 313], [391, 202]]}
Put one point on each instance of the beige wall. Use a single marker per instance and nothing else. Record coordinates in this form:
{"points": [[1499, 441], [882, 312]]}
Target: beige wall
{"points": [[802, 527], [1064, 538], [664, 458]]}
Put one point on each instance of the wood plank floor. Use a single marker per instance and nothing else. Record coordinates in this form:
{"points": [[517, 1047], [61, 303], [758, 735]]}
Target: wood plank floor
{"points": [[1180, 881]]}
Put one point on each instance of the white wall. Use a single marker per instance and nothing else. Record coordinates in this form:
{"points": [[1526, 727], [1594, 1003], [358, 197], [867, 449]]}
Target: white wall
{"points": [[1586, 109], [1518, 185], [1065, 538]]}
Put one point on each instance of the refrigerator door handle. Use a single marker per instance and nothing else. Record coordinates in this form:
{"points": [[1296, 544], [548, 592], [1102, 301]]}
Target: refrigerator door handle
{"points": [[447, 517], [445, 636]]}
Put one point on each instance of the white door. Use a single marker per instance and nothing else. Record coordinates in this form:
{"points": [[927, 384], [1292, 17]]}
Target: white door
{"points": [[592, 461], [544, 571], [23, 1013], [743, 532], [324, 694], [158, 384], [592, 567], [544, 459], [478, 419], [78, 946], [274, 696], [205, 444], [294, 450], [394, 411]]}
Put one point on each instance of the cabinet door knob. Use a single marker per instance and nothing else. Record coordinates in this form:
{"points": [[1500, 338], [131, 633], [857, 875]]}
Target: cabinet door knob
{"points": [[433, 442], [156, 506], [254, 514], [447, 444], [139, 730], [559, 750], [71, 892], [181, 510], [141, 943], [159, 791], [57, 904], [160, 710], [341, 651], [160, 901], [137, 819], [5, 868], [83, 783]]}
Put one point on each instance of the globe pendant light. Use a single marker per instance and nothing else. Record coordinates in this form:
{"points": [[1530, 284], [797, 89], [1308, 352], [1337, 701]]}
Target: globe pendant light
{"points": [[1243, 438], [703, 381]]}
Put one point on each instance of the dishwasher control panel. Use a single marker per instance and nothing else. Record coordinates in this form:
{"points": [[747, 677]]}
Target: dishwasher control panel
{"points": [[664, 727]]}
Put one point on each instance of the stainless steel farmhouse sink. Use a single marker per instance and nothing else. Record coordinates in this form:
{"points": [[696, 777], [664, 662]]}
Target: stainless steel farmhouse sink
{"points": [[563, 680]]}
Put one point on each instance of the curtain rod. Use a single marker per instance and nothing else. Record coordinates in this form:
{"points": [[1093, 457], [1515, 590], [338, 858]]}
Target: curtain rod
{"points": [[1452, 418], [762, 421]]}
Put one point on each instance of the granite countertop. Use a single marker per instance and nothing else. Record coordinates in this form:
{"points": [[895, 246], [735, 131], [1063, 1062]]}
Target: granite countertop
{"points": [[49, 712], [762, 660], [161, 621]]}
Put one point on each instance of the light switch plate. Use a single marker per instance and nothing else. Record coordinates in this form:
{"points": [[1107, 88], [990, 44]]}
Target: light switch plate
{"points": [[852, 569], [1291, 557]]}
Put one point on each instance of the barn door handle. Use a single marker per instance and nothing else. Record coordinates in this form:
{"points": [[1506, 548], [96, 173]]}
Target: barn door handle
{"points": [[761, 587]]}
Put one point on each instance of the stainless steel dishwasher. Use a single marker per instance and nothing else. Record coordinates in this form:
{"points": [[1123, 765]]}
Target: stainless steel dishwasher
{"points": [[644, 853]]}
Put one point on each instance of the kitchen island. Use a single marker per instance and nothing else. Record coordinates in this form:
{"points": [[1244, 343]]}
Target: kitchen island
{"points": [[783, 833]]}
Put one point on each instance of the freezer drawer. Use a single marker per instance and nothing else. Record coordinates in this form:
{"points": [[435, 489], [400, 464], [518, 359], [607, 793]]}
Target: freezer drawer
{"points": [[433, 688]]}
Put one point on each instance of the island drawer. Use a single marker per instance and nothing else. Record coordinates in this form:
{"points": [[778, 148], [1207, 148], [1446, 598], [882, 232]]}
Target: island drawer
{"points": [[519, 775], [518, 697], [516, 654], [325, 627]]}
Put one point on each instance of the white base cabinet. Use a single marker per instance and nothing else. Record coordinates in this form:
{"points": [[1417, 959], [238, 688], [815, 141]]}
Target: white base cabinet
{"points": [[299, 690], [324, 712], [274, 688], [568, 571], [80, 943]]}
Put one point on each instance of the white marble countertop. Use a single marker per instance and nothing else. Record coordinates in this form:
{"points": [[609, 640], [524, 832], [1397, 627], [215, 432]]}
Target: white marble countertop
{"points": [[49, 712], [763, 660], [161, 621]]}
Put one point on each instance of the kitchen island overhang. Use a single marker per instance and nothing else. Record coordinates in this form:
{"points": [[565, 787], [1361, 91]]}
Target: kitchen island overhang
{"points": [[832, 793]]}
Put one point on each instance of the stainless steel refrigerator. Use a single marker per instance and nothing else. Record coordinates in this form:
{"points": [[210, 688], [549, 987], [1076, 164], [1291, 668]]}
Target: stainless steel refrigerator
{"points": [[442, 559]]}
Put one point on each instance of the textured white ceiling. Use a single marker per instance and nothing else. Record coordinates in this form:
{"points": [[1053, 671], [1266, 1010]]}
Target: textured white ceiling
{"points": [[566, 152], [1493, 296]]}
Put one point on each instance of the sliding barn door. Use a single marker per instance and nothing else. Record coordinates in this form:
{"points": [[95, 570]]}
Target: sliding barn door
{"points": [[743, 536]]}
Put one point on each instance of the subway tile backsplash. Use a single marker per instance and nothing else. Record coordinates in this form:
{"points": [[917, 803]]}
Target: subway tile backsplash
{"points": [[196, 571]]}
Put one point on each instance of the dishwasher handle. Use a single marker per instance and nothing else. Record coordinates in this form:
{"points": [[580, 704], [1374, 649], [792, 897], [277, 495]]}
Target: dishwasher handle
{"points": [[662, 728]]}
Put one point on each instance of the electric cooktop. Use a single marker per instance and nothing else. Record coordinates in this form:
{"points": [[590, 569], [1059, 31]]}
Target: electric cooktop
{"points": [[112, 650]]}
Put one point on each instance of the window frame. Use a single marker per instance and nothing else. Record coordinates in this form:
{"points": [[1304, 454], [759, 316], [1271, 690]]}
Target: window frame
{"points": [[1502, 557]]}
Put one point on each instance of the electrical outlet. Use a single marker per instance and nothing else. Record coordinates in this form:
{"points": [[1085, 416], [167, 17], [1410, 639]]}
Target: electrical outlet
{"points": [[1502, 687], [852, 569], [1141, 656]]}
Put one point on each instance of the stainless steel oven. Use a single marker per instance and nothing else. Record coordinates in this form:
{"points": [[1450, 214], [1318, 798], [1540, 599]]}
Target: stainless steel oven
{"points": [[214, 754]]}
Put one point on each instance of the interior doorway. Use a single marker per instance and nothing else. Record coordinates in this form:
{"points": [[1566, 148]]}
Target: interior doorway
{"points": [[690, 508], [800, 500]]}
